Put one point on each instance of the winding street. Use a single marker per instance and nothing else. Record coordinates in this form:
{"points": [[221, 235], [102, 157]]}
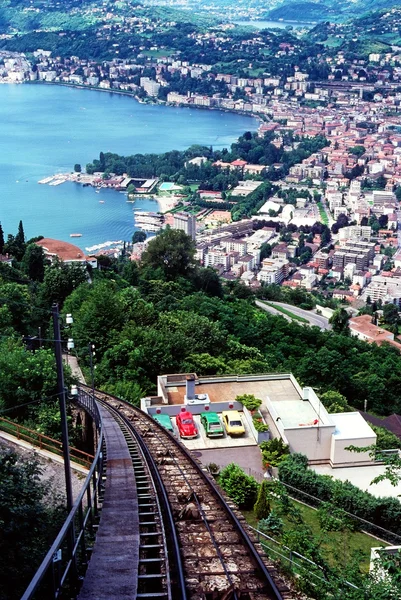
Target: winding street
{"points": [[312, 318]]}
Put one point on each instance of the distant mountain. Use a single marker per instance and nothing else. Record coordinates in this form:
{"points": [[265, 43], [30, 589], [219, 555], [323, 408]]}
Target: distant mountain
{"points": [[330, 10]]}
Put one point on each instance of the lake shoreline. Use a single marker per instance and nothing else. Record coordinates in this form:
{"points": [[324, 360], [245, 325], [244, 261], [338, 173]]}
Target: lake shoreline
{"points": [[149, 102], [46, 130]]}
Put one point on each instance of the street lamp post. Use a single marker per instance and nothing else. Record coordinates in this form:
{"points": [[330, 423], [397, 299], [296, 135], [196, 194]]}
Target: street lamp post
{"points": [[92, 353]]}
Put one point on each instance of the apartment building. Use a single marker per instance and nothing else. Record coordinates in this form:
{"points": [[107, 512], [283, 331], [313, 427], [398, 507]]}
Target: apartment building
{"points": [[185, 222], [274, 270]]}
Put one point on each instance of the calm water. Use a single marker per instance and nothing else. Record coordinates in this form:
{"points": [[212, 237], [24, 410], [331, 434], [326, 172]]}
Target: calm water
{"points": [[274, 24], [47, 129]]}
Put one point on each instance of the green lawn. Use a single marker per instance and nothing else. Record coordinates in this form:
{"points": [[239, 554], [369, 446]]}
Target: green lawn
{"points": [[333, 42], [339, 546], [323, 214], [157, 53], [287, 312]]}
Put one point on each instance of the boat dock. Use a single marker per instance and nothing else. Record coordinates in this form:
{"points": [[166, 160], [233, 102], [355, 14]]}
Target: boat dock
{"points": [[55, 179], [148, 221]]}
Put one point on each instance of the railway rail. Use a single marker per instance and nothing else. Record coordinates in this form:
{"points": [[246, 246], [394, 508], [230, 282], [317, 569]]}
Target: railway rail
{"points": [[212, 556]]}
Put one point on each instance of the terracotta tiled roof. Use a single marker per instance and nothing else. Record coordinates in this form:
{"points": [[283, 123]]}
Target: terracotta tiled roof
{"points": [[64, 250]]}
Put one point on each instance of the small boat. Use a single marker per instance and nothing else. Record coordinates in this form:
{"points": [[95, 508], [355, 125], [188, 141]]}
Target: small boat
{"points": [[75, 234], [97, 191], [101, 201]]}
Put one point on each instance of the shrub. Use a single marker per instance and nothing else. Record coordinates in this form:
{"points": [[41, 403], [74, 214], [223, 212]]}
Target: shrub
{"points": [[383, 512], [274, 452], [258, 423], [386, 440], [272, 525], [240, 487], [249, 401]]}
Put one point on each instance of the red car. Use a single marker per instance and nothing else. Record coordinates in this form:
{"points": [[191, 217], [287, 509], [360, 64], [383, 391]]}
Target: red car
{"points": [[186, 426]]}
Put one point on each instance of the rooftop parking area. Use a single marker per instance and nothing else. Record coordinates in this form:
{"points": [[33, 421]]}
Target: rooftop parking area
{"points": [[202, 442]]}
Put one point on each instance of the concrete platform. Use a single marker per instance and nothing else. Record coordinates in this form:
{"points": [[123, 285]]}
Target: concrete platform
{"points": [[202, 442], [249, 458]]}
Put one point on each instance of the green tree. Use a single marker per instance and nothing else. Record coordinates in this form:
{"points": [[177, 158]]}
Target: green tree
{"points": [[18, 301], [60, 280], [262, 505], [334, 402], [208, 281], [339, 321], [29, 518], [357, 150], [391, 315], [98, 314], [139, 236], [20, 237], [1, 239], [265, 250], [33, 262], [25, 376], [172, 251], [386, 440], [77, 168]]}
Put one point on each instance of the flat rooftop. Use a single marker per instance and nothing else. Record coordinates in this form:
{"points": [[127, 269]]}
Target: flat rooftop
{"points": [[294, 413], [227, 388], [351, 426]]}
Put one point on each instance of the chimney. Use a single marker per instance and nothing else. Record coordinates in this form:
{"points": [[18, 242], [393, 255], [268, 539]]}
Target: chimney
{"points": [[190, 386]]}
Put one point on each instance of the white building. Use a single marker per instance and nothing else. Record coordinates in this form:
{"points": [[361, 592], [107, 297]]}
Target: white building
{"points": [[185, 222]]}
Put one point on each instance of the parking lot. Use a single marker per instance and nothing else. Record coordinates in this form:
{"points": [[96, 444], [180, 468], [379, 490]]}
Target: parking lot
{"points": [[202, 442]]}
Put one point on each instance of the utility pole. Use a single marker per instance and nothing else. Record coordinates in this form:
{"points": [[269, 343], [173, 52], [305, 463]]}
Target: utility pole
{"points": [[91, 348], [63, 410]]}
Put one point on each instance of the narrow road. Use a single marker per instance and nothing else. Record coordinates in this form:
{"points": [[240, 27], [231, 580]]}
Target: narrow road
{"points": [[311, 317], [72, 362]]}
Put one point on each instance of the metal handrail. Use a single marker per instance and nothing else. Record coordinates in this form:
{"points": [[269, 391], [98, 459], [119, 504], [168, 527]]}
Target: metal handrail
{"points": [[76, 541], [44, 442]]}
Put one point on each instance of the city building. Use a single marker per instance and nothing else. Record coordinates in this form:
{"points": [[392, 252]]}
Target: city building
{"points": [[185, 222]]}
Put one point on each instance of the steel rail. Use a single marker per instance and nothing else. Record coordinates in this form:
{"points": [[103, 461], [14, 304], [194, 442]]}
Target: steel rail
{"points": [[210, 483]]}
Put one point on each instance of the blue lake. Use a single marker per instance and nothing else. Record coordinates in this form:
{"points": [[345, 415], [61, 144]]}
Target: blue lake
{"points": [[46, 129]]}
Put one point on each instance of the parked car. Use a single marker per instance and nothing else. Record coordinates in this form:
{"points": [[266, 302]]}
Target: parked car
{"points": [[186, 425], [232, 422], [165, 421], [212, 424]]}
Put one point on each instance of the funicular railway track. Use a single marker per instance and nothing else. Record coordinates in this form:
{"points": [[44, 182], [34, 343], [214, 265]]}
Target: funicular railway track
{"points": [[217, 557]]}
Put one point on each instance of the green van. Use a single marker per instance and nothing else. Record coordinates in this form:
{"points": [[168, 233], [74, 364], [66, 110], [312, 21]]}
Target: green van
{"points": [[165, 421], [212, 424]]}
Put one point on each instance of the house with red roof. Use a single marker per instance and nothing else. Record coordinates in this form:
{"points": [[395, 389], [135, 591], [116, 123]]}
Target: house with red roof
{"points": [[66, 252]]}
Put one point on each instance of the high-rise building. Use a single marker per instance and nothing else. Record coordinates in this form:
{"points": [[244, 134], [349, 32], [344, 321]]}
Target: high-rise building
{"points": [[186, 223]]}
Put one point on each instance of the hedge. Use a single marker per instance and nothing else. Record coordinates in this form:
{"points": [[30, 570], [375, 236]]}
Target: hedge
{"points": [[383, 512]]}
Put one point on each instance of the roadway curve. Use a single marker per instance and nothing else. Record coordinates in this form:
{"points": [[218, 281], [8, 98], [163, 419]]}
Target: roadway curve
{"points": [[312, 318]]}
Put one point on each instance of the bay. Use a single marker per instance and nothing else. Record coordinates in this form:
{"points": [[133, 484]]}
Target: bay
{"points": [[46, 129]]}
